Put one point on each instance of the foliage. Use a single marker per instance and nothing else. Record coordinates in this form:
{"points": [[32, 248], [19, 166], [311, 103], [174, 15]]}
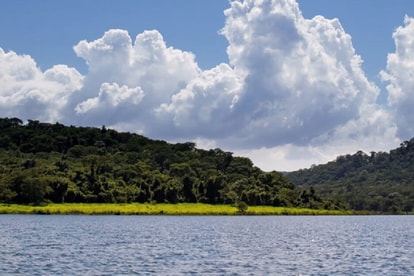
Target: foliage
{"points": [[242, 207], [43, 163], [381, 182], [158, 209]]}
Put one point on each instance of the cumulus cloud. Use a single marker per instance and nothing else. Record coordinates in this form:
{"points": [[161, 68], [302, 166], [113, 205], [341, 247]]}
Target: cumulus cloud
{"points": [[29, 93], [112, 98], [290, 80], [302, 76], [127, 81], [159, 70], [400, 76], [205, 107], [293, 93]]}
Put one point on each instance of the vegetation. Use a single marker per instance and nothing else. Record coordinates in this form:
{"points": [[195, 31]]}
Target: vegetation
{"points": [[52, 163], [159, 209], [381, 182]]}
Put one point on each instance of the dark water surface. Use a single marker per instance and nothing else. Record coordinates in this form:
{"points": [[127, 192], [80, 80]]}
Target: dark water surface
{"points": [[191, 245]]}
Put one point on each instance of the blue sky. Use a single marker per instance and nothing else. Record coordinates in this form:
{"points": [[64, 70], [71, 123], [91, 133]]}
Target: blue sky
{"points": [[29, 26], [245, 105]]}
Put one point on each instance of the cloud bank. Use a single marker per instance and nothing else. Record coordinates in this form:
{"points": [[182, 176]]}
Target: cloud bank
{"points": [[28, 92], [400, 77], [294, 92]]}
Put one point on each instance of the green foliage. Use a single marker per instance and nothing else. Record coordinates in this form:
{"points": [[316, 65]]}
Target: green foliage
{"points": [[42, 162], [159, 209], [242, 207], [381, 182]]}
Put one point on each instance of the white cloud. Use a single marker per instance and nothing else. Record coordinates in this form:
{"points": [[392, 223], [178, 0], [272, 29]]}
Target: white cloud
{"points": [[204, 108], [293, 93], [302, 96], [111, 96], [302, 77], [141, 75], [400, 75], [149, 63], [29, 93]]}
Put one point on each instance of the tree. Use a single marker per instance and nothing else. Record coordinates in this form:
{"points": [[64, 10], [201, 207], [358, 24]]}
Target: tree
{"points": [[7, 194], [242, 206], [58, 187], [42, 162], [29, 188]]}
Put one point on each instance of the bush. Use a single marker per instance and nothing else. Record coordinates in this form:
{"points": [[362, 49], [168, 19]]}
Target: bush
{"points": [[242, 206]]}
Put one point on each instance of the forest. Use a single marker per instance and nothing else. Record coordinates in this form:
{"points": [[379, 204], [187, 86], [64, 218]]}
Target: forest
{"points": [[380, 181], [44, 162]]}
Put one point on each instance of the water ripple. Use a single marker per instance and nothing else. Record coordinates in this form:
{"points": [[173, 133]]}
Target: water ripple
{"points": [[146, 245]]}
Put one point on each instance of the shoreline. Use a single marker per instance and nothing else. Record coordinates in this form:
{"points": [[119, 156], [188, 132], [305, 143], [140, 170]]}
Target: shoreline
{"points": [[179, 209]]}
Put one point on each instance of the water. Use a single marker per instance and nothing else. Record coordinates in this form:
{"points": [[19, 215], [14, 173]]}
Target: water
{"points": [[191, 245]]}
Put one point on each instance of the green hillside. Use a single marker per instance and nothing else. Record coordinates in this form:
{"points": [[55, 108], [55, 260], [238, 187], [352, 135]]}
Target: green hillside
{"points": [[42, 162], [378, 181]]}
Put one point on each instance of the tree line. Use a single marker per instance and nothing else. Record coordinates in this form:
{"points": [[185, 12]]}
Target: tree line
{"points": [[43, 162], [378, 181]]}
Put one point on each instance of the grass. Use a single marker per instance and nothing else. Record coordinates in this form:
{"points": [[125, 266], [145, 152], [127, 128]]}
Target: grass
{"points": [[158, 209]]}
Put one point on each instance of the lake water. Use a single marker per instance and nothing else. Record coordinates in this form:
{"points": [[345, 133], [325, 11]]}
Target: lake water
{"points": [[200, 245]]}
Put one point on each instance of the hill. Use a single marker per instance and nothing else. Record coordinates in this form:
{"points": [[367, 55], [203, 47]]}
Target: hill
{"points": [[378, 181], [42, 162]]}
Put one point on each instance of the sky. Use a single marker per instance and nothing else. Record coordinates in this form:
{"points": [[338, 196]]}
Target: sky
{"points": [[287, 83]]}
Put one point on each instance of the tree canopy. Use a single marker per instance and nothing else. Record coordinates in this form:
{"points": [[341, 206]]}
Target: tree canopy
{"points": [[378, 181], [43, 162]]}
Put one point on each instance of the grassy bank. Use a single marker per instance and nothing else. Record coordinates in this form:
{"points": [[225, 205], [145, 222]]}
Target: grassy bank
{"points": [[158, 209]]}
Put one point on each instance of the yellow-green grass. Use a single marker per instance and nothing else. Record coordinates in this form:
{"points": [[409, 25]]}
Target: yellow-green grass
{"points": [[158, 209]]}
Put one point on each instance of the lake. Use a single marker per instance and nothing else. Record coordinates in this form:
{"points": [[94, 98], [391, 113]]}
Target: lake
{"points": [[200, 245]]}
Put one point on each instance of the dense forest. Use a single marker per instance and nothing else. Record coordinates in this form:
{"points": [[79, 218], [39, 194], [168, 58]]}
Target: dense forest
{"points": [[382, 182], [42, 162]]}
